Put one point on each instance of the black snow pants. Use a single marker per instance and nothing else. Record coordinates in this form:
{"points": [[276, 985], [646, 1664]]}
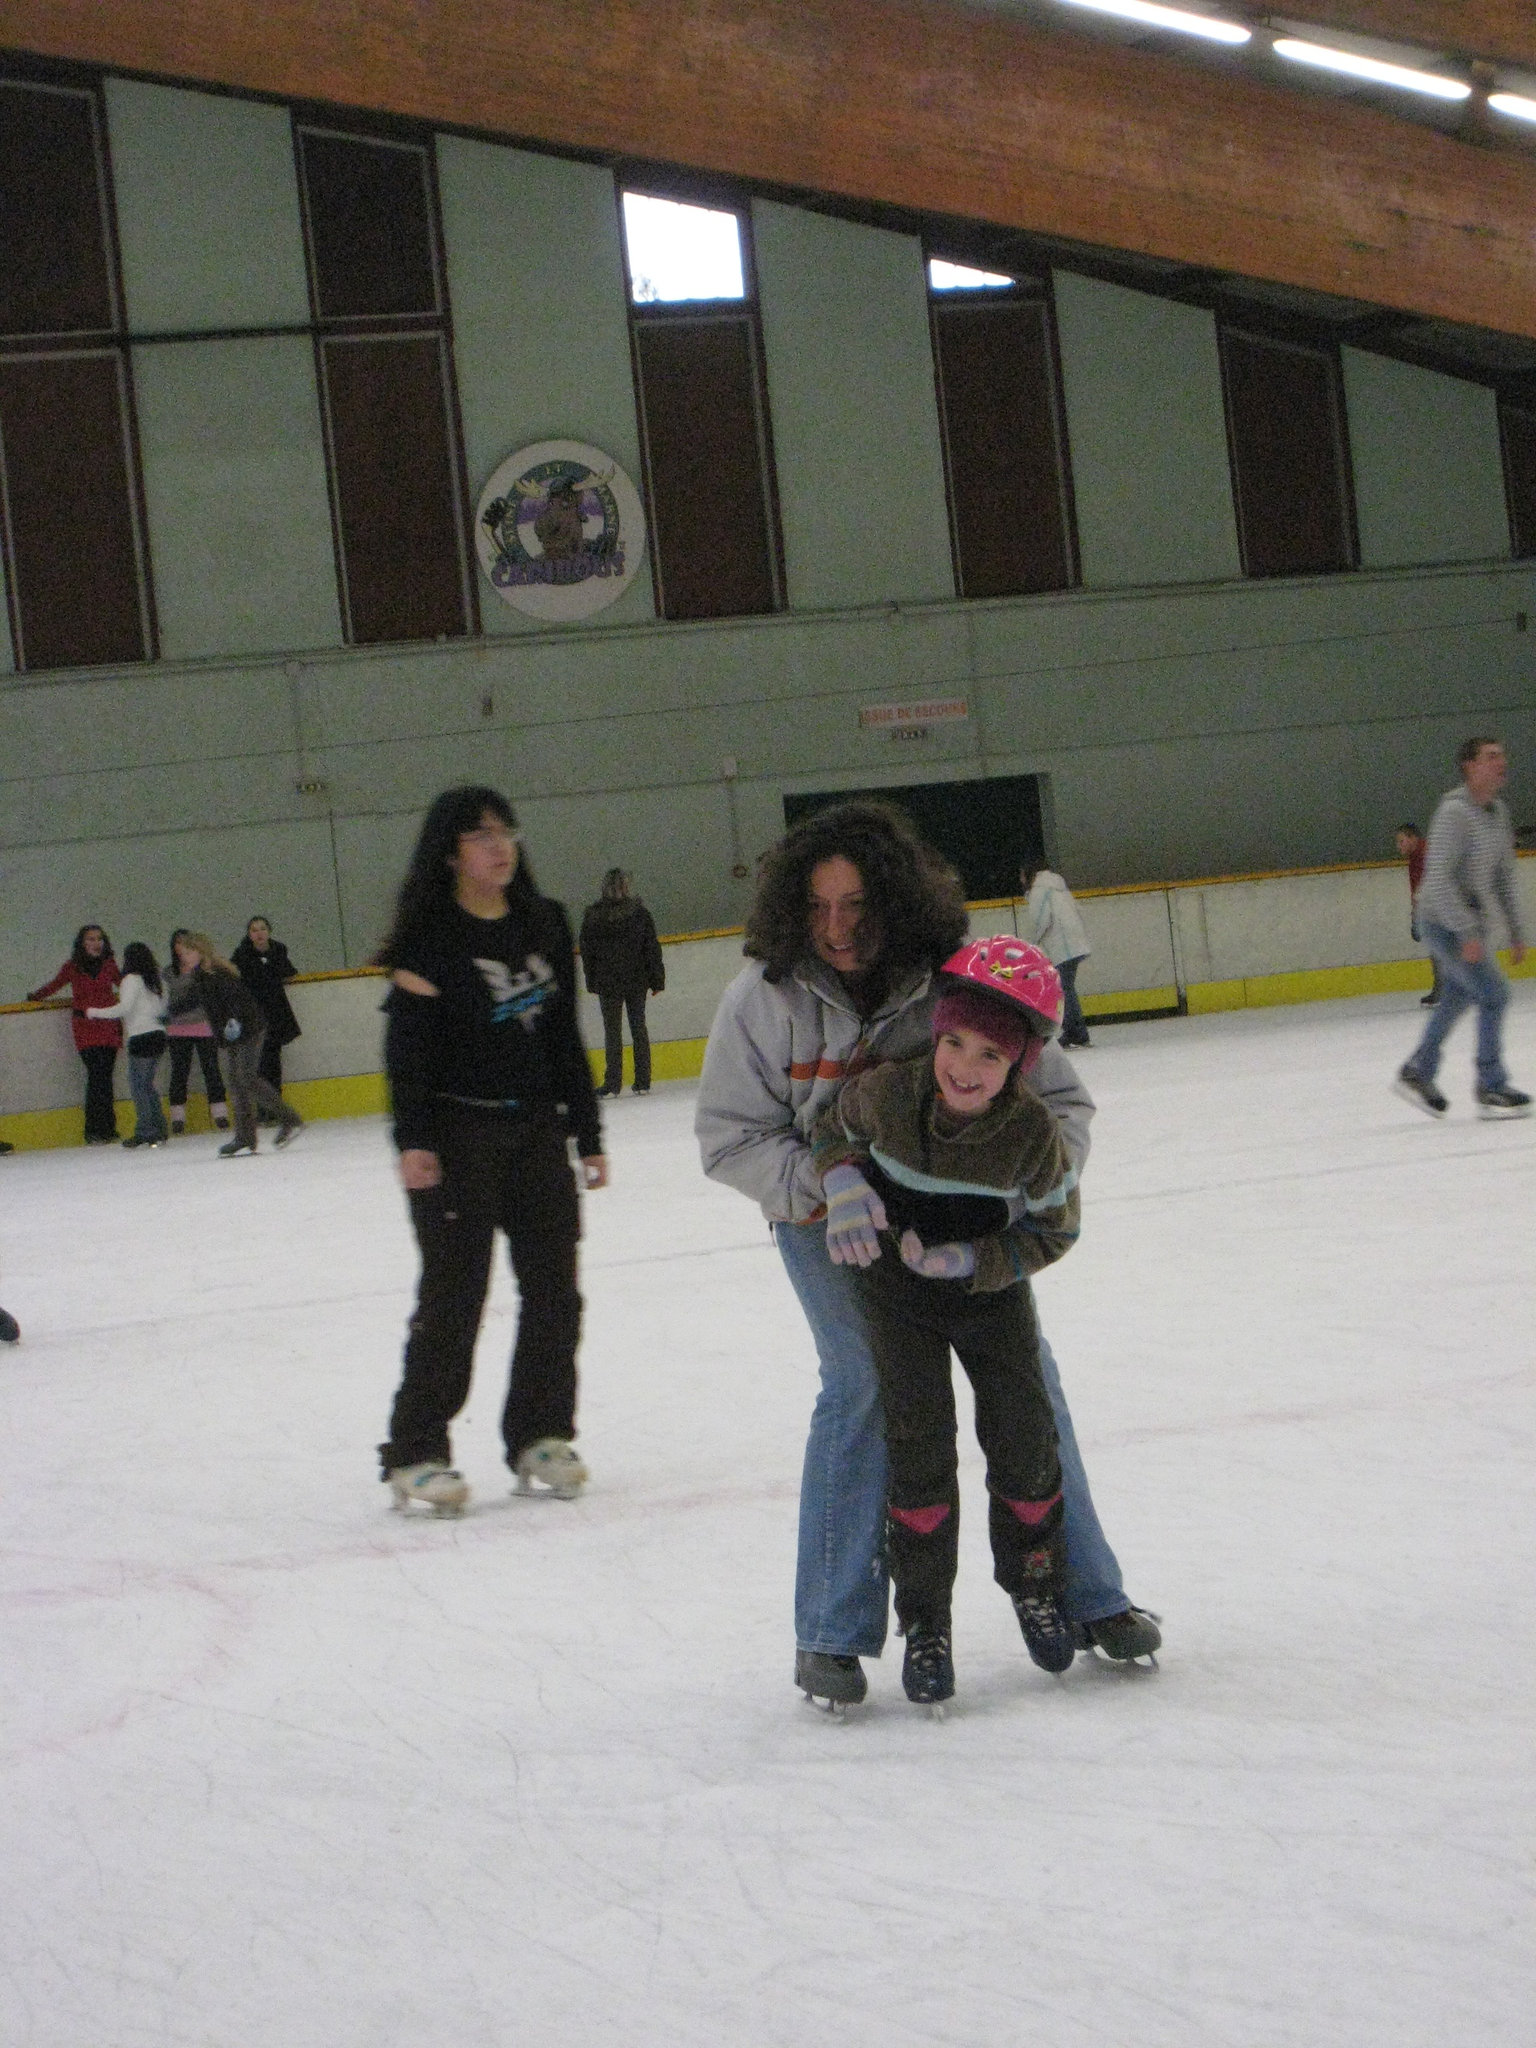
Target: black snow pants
{"points": [[508, 1174], [913, 1324]]}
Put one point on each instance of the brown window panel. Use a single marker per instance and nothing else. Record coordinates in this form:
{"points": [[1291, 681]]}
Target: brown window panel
{"points": [[55, 269], [73, 555], [1290, 458], [714, 531], [369, 211], [395, 487], [1004, 451], [1517, 432]]}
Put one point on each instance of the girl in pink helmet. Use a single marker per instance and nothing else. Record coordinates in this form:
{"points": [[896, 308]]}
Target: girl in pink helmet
{"points": [[947, 1185]]}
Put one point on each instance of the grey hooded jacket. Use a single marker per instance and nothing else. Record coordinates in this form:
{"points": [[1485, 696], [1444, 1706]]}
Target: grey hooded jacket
{"points": [[779, 1051]]}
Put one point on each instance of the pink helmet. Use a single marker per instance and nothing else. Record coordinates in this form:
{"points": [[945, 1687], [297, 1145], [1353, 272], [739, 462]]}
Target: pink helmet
{"points": [[1019, 973]]}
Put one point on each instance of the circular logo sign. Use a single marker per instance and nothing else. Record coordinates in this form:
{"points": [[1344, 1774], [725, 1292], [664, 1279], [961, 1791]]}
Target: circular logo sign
{"points": [[559, 530]]}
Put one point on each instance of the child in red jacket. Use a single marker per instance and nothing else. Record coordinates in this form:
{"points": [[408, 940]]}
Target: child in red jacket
{"points": [[91, 973]]}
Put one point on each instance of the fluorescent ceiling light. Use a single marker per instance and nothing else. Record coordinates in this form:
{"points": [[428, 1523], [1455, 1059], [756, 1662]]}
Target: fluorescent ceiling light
{"points": [[1372, 68], [958, 277], [1513, 103], [1170, 17]]}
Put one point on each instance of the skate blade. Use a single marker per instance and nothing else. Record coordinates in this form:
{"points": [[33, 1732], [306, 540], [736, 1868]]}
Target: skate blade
{"points": [[1146, 1662], [541, 1490], [1488, 1115], [835, 1710]]}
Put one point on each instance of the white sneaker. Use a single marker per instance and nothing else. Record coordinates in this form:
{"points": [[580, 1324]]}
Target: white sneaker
{"points": [[434, 1484], [554, 1463]]}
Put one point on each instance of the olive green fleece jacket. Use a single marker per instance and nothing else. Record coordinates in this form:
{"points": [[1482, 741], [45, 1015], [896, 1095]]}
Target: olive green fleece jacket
{"points": [[894, 1116]]}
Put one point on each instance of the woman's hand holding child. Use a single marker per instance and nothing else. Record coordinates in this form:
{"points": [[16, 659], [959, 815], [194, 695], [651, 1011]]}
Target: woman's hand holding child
{"points": [[939, 1261]]}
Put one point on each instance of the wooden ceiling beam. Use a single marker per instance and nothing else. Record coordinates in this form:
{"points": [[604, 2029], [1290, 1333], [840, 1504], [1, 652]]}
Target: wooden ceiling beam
{"points": [[913, 103], [1504, 30]]}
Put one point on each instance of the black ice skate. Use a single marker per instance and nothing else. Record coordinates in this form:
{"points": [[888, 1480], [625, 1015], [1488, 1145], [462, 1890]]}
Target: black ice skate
{"points": [[1046, 1630], [928, 1668], [1422, 1094], [1130, 1637], [1499, 1102], [822, 1676]]}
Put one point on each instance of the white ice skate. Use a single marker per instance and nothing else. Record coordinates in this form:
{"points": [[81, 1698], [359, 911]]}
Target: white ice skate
{"points": [[434, 1484], [554, 1464]]}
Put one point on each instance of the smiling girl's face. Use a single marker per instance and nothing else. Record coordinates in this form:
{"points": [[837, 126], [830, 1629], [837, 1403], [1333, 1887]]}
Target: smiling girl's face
{"points": [[969, 1069]]}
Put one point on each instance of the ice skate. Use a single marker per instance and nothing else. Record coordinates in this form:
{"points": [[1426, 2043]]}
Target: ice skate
{"points": [[10, 1329], [928, 1668], [1130, 1637], [824, 1677], [1422, 1094], [1503, 1102], [553, 1463], [1047, 1632], [287, 1135], [435, 1484], [237, 1149]]}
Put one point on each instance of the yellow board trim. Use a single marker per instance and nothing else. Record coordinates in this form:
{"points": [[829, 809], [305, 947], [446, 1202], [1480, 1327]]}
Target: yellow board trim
{"points": [[1131, 999], [1325, 984]]}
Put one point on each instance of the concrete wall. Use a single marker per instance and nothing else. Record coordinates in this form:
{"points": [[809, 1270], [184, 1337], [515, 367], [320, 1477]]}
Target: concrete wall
{"points": [[1184, 721]]}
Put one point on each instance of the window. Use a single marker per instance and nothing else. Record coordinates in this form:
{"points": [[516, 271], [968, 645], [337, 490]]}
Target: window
{"points": [[1290, 454], [71, 516], [1012, 529], [384, 356], [1517, 433], [715, 545]]}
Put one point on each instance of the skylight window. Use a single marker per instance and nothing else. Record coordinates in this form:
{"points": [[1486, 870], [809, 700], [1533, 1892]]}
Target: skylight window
{"points": [[1207, 25], [958, 277], [1372, 68], [679, 252]]}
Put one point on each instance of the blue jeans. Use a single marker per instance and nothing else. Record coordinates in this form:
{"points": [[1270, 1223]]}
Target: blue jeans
{"points": [[149, 1126], [1074, 1027], [841, 1587], [1463, 983]]}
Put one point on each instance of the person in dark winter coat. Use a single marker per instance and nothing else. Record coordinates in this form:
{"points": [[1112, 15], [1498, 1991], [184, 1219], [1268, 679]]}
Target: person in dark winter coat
{"points": [[214, 987], [621, 960], [92, 977], [488, 1079], [264, 967]]}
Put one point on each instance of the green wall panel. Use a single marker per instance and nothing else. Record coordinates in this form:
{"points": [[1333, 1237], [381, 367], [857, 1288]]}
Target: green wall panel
{"points": [[1148, 436], [1429, 475], [207, 210], [234, 477], [541, 335], [855, 416]]}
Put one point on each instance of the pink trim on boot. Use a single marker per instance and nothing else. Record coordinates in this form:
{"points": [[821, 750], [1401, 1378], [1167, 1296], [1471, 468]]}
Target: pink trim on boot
{"points": [[922, 1521], [1030, 1512]]}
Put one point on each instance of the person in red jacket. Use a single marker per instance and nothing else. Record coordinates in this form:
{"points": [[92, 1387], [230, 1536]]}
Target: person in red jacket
{"points": [[91, 973], [1413, 846]]}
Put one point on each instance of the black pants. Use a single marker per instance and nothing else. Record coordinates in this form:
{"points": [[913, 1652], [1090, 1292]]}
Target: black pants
{"points": [[207, 1052], [614, 1009], [100, 1109], [515, 1176], [270, 1066], [913, 1325], [247, 1090]]}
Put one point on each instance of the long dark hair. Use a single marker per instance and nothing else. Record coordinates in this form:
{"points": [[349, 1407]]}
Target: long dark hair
{"points": [[79, 956], [138, 959], [912, 897], [427, 890]]}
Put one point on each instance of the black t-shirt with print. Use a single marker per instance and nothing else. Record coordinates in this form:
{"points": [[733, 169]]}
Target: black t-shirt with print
{"points": [[501, 1034]]}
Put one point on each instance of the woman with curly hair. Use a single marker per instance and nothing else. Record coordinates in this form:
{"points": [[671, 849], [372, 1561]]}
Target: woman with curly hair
{"points": [[854, 917]]}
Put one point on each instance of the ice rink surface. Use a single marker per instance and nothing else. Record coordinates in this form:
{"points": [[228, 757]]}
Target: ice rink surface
{"points": [[286, 1770]]}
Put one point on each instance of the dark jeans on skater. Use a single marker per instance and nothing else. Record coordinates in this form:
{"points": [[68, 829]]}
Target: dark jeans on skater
{"points": [[613, 1009], [1074, 1028], [242, 1074], [499, 1173], [144, 1057], [100, 1109], [914, 1324], [207, 1051]]}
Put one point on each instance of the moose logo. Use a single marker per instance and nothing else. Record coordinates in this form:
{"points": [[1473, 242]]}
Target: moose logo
{"points": [[559, 531]]}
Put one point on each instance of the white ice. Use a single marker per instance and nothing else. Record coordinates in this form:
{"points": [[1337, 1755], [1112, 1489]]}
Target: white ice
{"points": [[283, 1769]]}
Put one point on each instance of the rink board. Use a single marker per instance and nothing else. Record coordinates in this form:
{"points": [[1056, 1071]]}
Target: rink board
{"points": [[1234, 942]]}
